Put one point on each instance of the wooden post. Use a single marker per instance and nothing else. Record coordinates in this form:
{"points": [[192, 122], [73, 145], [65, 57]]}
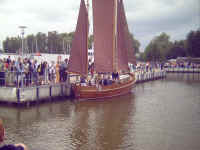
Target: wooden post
{"points": [[37, 92], [18, 95]]}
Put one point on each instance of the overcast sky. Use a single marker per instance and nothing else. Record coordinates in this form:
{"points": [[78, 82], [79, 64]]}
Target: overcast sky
{"points": [[146, 18]]}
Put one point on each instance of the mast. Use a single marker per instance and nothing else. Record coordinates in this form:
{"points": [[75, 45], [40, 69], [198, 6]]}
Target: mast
{"points": [[87, 33], [114, 36]]}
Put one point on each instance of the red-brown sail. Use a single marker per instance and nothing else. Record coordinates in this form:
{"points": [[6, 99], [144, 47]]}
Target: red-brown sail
{"points": [[78, 61], [128, 40], [122, 47], [106, 52], [103, 19]]}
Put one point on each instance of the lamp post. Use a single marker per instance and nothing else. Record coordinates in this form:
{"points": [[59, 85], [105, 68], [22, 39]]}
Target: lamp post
{"points": [[22, 34], [22, 54]]}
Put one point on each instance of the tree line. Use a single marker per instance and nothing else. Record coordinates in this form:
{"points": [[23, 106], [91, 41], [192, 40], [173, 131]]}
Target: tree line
{"points": [[53, 42], [159, 49], [162, 49]]}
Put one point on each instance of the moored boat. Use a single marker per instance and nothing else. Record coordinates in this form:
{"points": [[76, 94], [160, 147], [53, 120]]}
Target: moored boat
{"points": [[120, 87], [111, 47]]}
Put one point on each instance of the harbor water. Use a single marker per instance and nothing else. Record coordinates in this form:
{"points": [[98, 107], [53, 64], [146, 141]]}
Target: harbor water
{"points": [[157, 115]]}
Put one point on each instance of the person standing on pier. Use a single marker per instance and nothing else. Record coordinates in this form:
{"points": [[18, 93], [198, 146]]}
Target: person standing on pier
{"points": [[19, 66], [57, 72], [2, 73], [19, 146]]}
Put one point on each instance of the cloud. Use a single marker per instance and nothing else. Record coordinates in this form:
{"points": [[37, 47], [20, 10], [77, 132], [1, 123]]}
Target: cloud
{"points": [[176, 18], [146, 19], [2, 1], [38, 16]]}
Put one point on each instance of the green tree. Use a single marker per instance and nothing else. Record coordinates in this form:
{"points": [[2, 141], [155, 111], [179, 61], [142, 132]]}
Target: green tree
{"points": [[152, 52], [90, 41], [178, 49], [31, 43], [158, 48], [67, 40], [136, 44], [141, 56], [12, 45], [193, 43], [41, 42], [5, 44], [52, 41]]}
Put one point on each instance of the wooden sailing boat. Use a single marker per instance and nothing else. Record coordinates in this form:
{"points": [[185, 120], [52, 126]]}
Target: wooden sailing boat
{"points": [[111, 44]]}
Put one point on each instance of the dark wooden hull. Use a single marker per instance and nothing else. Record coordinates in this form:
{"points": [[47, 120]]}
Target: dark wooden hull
{"points": [[93, 92]]}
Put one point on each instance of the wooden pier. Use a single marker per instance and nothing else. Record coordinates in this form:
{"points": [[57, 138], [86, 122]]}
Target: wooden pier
{"points": [[37, 94], [182, 70], [142, 76], [27, 95]]}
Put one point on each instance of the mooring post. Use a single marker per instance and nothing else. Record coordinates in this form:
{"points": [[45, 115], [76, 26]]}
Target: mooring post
{"points": [[18, 95], [62, 93], [37, 93], [50, 91]]}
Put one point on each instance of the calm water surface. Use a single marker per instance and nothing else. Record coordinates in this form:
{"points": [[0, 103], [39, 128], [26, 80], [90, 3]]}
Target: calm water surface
{"points": [[158, 115]]}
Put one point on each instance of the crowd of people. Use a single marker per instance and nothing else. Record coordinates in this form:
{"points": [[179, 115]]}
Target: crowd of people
{"points": [[99, 79], [182, 65], [28, 72]]}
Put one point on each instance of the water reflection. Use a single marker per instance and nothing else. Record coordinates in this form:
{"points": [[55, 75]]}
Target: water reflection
{"points": [[161, 114], [103, 122], [79, 125], [183, 77]]}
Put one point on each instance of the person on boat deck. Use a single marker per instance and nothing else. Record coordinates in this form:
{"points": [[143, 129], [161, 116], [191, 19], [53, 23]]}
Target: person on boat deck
{"points": [[58, 71], [115, 75], [101, 78], [19, 146], [92, 81], [91, 69], [101, 81], [83, 81], [109, 82], [89, 83], [104, 81]]}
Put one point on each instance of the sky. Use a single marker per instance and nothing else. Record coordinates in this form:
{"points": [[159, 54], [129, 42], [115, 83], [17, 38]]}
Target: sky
{"points": [[146, 18]]}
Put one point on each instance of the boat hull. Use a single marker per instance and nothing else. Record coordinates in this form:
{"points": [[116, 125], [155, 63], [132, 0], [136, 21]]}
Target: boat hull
{"points": [[108, 91]]}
